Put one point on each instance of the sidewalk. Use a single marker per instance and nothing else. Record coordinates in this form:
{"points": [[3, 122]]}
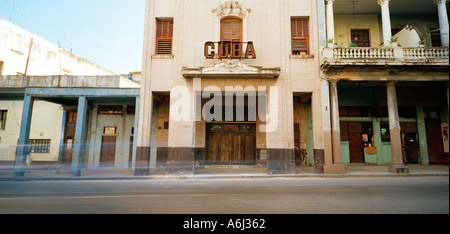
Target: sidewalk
{"points": [[43, 173]]}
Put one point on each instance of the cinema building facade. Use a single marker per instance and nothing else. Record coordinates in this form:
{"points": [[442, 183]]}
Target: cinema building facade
{"points": [[228, 83], [255, 83]]}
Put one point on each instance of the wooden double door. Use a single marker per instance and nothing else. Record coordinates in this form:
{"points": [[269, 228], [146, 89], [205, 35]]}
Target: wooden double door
{"points": [[230, 144]]}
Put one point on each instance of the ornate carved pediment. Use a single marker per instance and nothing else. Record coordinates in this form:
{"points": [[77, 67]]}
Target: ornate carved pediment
{"points": [[230, 66], [230, 69], [231, 8]]}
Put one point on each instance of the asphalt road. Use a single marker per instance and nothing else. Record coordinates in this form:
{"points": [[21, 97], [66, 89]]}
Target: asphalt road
{"points": [[403, 195]]}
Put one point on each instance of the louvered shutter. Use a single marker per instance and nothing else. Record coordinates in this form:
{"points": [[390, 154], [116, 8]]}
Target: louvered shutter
{"points": [[164, 36], [300, 36], [299, 46], [231, 30]]}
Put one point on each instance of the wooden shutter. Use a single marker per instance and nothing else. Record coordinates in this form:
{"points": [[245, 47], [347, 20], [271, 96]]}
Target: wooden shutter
{"points": [[231, 30], [300, 36], [164, 36]]}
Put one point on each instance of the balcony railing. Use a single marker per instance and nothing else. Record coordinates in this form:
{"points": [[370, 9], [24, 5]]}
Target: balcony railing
{"points": [[386, 54], [363, 52], [428, 53]]}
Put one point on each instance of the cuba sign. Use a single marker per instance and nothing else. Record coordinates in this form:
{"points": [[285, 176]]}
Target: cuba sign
{"points": [[228, 49]]}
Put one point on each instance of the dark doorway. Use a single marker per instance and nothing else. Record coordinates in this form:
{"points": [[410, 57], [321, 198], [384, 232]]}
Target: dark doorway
{"points": [[231, 143], [435, 144], [108, 151]]}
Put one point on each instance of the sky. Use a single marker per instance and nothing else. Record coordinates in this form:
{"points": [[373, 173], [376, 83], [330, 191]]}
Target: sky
{"points": [[106, 32]]}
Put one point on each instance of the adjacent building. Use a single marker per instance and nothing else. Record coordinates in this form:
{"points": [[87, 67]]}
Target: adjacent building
{"points": [[40, 84], [387, 62]]}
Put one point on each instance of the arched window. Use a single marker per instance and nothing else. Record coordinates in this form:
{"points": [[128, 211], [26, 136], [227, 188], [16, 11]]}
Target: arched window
{"points": [[231, 30]]}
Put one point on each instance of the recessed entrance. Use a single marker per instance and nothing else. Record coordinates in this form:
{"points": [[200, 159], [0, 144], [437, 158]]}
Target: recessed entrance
{"points": [[231, 143]]}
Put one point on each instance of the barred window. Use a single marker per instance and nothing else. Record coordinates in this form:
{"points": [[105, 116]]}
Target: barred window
{"points": [[111, 110], [39, 146]]}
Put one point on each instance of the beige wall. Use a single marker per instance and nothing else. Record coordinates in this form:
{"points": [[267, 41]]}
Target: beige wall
{"points": [[345, 23], [39, 129]]}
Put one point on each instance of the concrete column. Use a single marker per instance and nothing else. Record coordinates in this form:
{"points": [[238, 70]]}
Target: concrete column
{"points": [[394, 128], [25, 125], [61, 140], [423, 145], [335, 123], [80, 131], [135, 134], [330, 19], [337, 167], [386, 21], [443, 22]]}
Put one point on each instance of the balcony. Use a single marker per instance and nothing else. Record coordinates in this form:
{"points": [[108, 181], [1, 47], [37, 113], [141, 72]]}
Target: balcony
{"points": [[376, 34], [385, 56]]}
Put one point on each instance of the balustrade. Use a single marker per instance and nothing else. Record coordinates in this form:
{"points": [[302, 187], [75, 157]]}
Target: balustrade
{"points": [[388, 53]]}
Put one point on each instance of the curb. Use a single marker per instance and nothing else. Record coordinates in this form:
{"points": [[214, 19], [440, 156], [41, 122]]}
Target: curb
{"points": [[217, 177]]}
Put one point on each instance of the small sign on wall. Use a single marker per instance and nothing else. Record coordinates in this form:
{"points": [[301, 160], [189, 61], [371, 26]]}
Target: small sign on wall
{"points": [[109, 130]]}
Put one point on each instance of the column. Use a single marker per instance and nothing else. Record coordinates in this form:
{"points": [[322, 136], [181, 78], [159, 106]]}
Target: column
{"points": [[337, 167], [135, 134], [423, 145], [443, 22], [330, 20], [80, 131], [61, 141], [386, 21], [25, 125], [394, 129], [142, 160]]}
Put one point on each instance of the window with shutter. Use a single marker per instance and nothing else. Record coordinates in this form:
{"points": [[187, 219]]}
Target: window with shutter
{"points": [[300, 36], [231, 30], [164, 36]]}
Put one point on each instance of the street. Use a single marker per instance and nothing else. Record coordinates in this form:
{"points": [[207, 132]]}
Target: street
{"points": [[384, 195]]}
